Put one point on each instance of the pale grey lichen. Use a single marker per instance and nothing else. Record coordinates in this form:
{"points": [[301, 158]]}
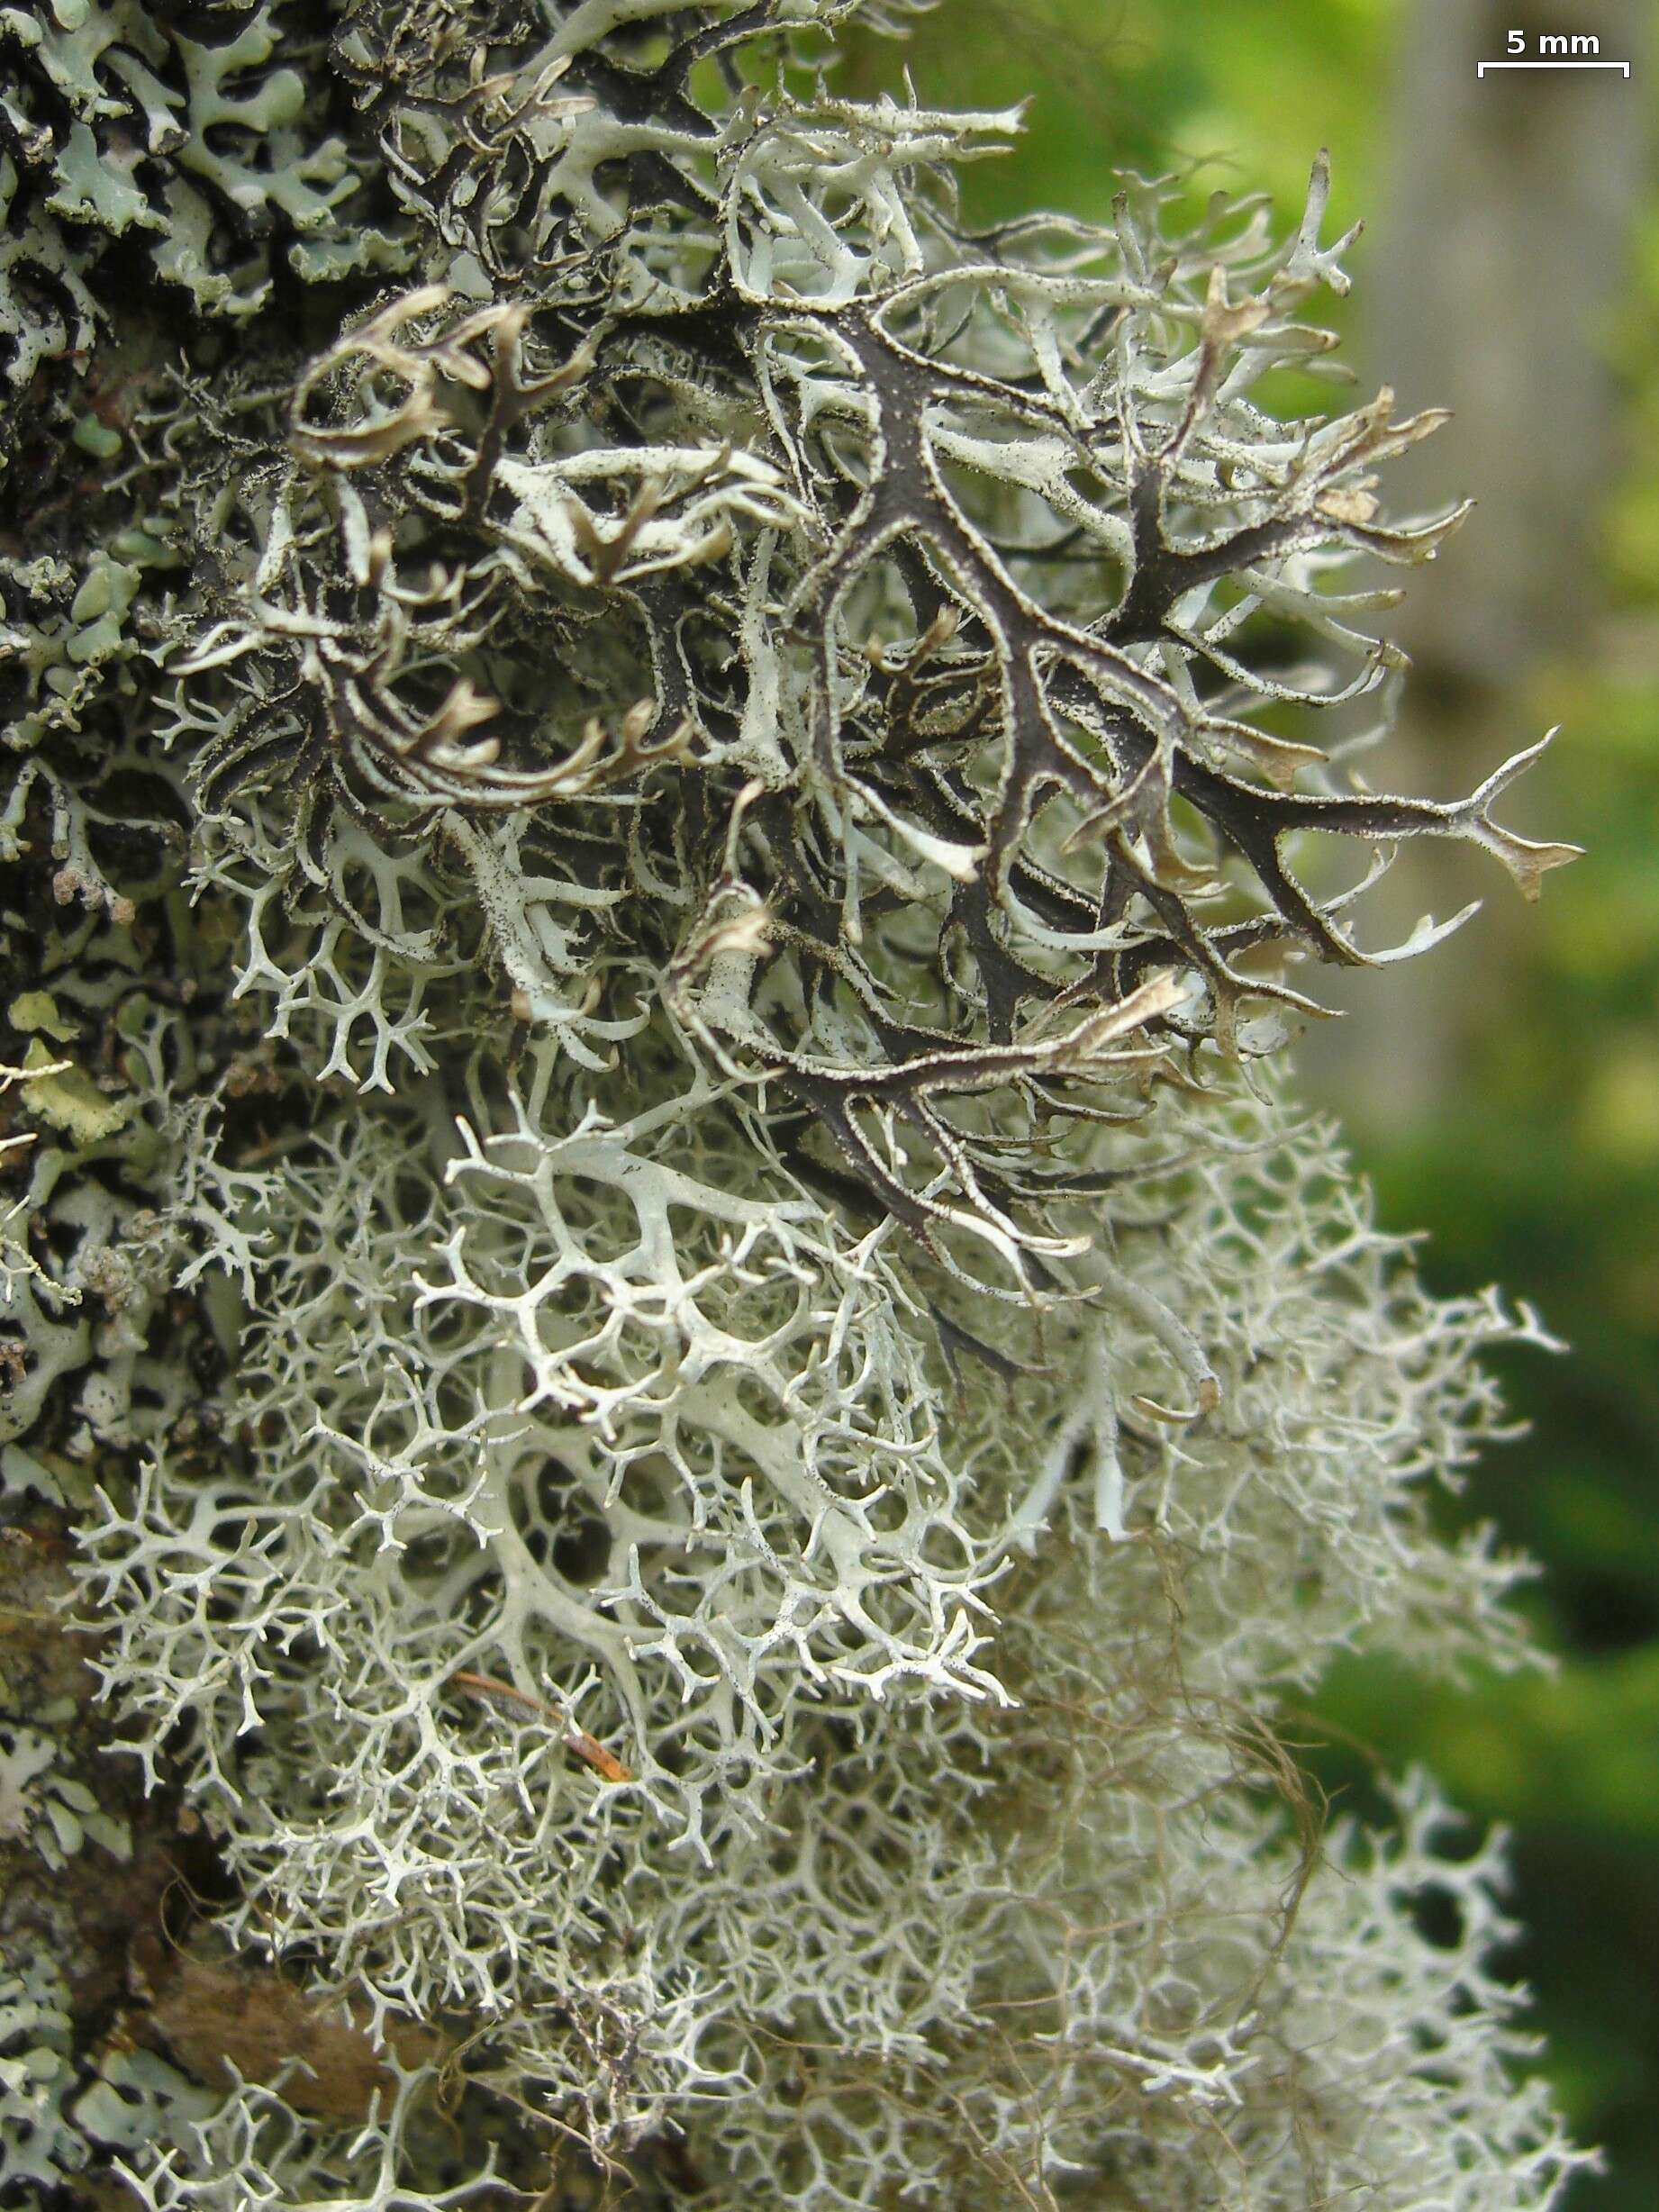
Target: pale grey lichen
{"points": [[711, 1392], [199, 138], [38, 2145], [69, 1859], [61, 2118]]}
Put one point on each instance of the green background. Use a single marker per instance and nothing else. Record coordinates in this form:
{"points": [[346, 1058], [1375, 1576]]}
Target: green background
{"points": [[1535, 1162]]}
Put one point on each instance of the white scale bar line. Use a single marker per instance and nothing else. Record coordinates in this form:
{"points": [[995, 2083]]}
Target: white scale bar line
{"points": [[1622, 66]]}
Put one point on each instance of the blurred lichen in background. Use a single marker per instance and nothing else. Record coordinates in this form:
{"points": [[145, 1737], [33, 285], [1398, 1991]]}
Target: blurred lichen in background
{"points": [[706, 1411]]}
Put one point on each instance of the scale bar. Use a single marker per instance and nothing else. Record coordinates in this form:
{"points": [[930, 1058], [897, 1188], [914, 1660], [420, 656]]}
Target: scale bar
{"points": [[1622, 66]]}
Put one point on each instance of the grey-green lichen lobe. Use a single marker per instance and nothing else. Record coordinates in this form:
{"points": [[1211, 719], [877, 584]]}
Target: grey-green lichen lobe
{"points": [[189, 130], [707, 1390]]}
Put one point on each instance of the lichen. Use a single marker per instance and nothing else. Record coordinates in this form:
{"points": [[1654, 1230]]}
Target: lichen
{"points": [[711, 1390], [198, 138]]}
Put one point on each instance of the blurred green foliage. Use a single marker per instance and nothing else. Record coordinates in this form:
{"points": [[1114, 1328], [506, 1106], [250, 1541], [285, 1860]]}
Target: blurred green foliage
{"points": [[1540, 1165], [1244, 95]]}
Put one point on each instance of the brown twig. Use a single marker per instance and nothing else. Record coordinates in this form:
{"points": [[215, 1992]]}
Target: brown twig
{"points": [[488, 1690]]}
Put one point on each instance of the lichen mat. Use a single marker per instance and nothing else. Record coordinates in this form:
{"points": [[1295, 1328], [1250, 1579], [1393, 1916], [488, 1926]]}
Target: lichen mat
{"points": [[705, 1395]]}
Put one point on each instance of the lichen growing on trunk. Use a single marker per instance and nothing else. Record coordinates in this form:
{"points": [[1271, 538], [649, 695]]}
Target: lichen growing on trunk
{"points": [[708, 1390]]}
